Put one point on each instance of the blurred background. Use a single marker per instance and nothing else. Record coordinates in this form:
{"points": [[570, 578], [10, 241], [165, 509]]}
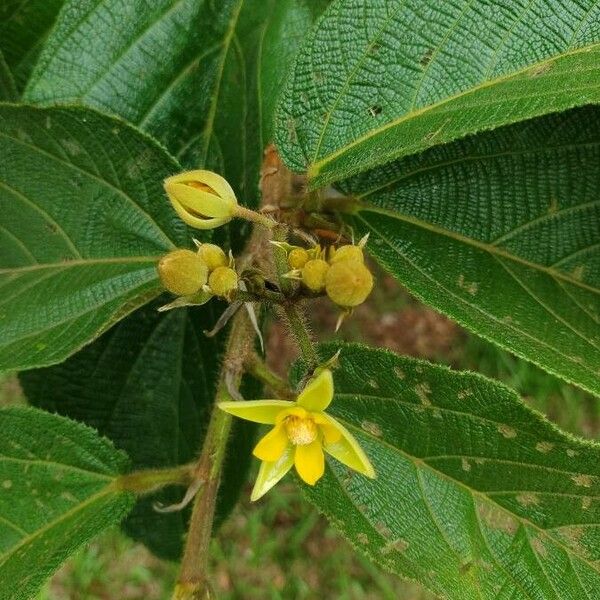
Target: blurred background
{"points": [[280, 548]]}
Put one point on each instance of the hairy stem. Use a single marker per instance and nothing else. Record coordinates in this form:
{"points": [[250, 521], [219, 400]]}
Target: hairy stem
{"points": [[192, 583], [297, 324], [150, 480], [255, 217], [257, 367]]}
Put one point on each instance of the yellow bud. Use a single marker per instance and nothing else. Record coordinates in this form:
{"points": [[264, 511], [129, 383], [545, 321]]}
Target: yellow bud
{"points": [[348, 283], [202, 199], [182, 272], [223, 281], [313, 274], [297, 258], [213, 256], [348, 252]]}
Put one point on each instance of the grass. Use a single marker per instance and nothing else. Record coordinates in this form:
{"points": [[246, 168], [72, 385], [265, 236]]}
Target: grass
{"points": [[280, 548]]}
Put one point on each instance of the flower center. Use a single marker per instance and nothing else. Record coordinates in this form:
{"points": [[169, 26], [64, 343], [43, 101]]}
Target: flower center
{"points": [[300, 431]]}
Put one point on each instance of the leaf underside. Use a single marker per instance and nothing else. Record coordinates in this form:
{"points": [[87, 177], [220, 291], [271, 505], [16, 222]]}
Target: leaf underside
{"points": [[387, 78], [501, 232], [476, 495], [56, 492], [84, 221]]}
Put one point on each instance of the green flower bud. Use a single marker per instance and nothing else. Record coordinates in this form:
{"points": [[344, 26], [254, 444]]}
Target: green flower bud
{"points": [[213, 256], [313, 274], [297, 258], [223, 281], [202, 199], [182, 272], [348, 252], [348, 283]]}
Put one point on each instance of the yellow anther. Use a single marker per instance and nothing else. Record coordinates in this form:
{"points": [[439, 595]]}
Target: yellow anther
{"points": [[300, 431]]}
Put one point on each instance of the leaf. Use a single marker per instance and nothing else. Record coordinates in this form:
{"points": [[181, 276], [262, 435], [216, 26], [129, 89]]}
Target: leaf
{"points": [[476, 495], [24, 26], [187, 72], [380, 80], [500, 232], [148, 384], [84, 221], [8, 91], [57, 492]]}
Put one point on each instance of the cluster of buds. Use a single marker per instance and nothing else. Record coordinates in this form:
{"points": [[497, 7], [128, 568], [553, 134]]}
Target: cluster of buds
{"points": [[339, 272], [198, 276]]}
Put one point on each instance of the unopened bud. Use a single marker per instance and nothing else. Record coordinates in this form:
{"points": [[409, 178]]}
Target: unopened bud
{"points": [[297, 258], [348, 252], [223, 281], [213, 256], [202, 199], [313, 274], [182, 272], [348, 283]]}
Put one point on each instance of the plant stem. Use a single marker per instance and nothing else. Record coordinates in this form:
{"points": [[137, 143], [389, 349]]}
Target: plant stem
{"points": [[143, 482], [193, 582], [301, 334], [255, 217], [259, 369]]}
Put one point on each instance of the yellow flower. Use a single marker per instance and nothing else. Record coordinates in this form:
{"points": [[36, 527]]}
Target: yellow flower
{"points": [[202, 199], [300, 434]]}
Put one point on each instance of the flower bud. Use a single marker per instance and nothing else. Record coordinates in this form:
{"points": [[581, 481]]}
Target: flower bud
{"points": [[202, 199], [348, 283], [348, 252], [297, 258], [213, 256], [182, 272], [313, 274], [223, 281]]}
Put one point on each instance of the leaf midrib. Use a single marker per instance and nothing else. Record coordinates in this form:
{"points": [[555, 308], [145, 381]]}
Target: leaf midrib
{"points": [[317, 165], [108, 490], [149, 218], [55, 465], [81, 262], [473, 492], [492, 250], [470, 415]]}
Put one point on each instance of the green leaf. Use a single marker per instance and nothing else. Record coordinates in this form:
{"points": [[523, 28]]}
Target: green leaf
{"points": [[24, 26], [385, 79], [500, 231], [8, 91], [148, 384], [84, 221], [476, 495], [189, 72], [57, 481]]}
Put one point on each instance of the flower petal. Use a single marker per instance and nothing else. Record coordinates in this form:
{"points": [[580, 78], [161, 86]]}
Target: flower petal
{"points": [[209, 178], [318, 393], [310, 462], [272, 446], [271, 472], [348, 451], [259, 411], [201, 202]]}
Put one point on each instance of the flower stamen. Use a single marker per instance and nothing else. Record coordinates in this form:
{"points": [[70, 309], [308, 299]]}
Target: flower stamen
{"points": [[300, 431]]}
